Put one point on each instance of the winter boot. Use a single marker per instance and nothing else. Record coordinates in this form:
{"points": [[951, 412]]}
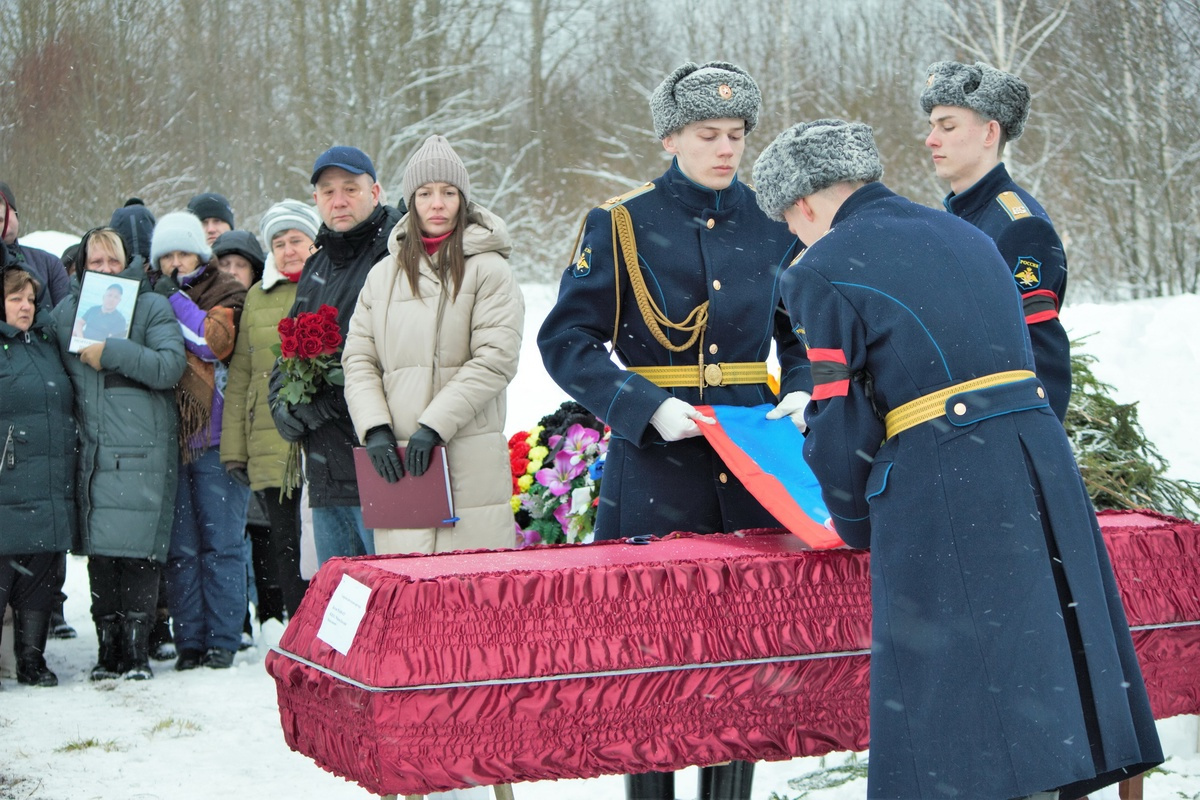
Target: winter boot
{"points": [[162, 646], [730, 781], [650, 786], [31, 629], [136, 638], [108, 634], [59, 627]]}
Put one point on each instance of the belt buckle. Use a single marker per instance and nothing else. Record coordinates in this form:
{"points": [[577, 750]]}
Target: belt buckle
{"points": [[713, 375]]}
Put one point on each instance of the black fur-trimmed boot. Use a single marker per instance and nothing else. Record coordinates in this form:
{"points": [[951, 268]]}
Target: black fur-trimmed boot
{"points": [[108, 661], [136, 638], [730, 781], [31, 629]]}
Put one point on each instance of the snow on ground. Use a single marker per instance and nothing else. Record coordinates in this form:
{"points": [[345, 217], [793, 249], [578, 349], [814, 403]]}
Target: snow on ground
{"points": [[204, 734]]}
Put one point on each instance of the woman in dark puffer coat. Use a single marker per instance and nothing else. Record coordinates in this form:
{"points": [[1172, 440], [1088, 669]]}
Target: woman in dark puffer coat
{"points": [[37, 471]]}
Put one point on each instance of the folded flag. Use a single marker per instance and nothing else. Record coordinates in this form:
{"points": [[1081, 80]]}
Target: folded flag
{"points": [[767, 456]]}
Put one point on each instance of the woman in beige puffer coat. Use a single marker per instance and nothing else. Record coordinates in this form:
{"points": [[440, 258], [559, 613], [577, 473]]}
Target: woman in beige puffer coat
{"points": [[432, 347]]}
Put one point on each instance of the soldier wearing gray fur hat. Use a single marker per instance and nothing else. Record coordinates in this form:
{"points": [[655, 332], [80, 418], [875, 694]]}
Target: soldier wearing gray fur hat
{"points": [[935, 447], [678, 278], [974, 110]]}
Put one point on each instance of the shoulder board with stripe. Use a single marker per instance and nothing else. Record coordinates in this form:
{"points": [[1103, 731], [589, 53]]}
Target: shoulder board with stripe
{"points": [[622, 198], [1013, 205]]}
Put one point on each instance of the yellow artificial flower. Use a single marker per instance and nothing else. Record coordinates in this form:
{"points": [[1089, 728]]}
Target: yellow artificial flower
{"points": [[524, 482], [515, 502]]}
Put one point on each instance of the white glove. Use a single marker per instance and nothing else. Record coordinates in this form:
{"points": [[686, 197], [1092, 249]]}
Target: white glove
{"points": [[677, 420], [792, 405]]}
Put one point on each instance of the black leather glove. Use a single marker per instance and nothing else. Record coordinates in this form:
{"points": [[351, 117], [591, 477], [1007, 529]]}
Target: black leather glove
{"points": [[166, 285], [237, 471], [381, 447], [420, 450], [322, 408], [286, 422]]}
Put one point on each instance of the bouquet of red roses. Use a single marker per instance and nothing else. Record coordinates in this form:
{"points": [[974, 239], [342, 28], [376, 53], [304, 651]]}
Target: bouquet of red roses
{"points": [[308, 360]]}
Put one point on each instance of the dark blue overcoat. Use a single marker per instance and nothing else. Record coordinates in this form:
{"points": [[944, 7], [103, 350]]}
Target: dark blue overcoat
{"points": [[693, 244], [1001, 661], [1026, 238]]}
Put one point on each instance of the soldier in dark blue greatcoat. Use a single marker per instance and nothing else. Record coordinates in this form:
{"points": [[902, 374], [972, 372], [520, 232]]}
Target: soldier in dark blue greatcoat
{"points": [[680, 279], [973, 112], [1001, 660]]}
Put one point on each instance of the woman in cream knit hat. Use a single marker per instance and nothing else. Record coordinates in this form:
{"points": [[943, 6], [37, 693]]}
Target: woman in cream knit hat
{"points": [[432, 347]]}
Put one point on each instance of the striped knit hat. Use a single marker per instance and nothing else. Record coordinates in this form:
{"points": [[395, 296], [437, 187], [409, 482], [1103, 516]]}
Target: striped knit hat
{"points": [[289, 215]]}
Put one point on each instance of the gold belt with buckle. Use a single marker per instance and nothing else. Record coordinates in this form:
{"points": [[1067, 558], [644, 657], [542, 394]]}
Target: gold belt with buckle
{"points": [[696, 377], [933, 405]]}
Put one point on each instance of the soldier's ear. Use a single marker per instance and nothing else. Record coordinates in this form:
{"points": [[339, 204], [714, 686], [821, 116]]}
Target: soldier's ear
{"points": [[668, 144]]}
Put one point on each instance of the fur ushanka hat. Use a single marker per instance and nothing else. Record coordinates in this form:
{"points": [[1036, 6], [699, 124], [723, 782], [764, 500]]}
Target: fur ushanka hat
{"points": [[991, 93], [695, 92], [812, 156]]}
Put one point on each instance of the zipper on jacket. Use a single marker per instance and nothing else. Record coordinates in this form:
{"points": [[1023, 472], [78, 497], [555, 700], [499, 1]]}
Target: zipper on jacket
{"points": [[128, 456]]}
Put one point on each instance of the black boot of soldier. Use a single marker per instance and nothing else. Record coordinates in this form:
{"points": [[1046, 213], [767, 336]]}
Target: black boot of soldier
{"points": [[650, 786], [730, 781]]}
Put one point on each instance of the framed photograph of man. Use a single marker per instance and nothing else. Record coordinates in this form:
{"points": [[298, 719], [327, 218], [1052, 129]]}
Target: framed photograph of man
{"points": [[105, 309]]}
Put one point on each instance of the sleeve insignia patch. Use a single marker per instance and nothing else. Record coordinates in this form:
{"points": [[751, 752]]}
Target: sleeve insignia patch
{"points": [[1028, 273], [582, 266]]}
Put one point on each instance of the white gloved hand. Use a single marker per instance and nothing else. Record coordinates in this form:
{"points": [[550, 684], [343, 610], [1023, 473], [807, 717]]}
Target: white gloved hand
{"points": [[792, 405], [676, 420]]}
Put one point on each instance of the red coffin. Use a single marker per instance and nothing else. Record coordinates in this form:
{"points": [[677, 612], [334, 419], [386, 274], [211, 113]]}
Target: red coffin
{"points": [[576, 661]]}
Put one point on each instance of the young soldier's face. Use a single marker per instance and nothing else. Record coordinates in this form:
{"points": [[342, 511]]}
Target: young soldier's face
{"points": [[709, 151], [962, 145]]}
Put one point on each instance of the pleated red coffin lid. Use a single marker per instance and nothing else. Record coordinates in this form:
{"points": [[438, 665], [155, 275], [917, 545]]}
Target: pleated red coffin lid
{"points": [[491, 667]]}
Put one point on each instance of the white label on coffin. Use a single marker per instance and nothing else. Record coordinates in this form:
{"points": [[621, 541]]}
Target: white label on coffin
{"points": [[343, 614]]}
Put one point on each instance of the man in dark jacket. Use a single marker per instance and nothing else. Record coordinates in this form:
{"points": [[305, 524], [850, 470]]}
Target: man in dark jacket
{"points": [[973, 112], [1001, 660], [47, 268], [352, 238]]}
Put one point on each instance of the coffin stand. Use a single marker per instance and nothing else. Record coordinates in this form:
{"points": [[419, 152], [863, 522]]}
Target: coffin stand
{"points": [[496, 667]]}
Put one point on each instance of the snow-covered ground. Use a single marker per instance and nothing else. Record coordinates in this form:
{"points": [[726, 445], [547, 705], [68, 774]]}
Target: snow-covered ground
{"points": [[205, 734]]}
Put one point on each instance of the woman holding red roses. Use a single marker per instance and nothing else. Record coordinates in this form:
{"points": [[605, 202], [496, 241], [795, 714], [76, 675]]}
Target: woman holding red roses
{"points": [[251, 448], [206, 569], [432, 347]]}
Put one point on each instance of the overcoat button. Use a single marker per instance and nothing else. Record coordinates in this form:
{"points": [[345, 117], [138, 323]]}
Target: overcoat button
{"points": [[712, 348], [1041, 393], [723, 478], [960, 408], [717, 285], [710, 224]]}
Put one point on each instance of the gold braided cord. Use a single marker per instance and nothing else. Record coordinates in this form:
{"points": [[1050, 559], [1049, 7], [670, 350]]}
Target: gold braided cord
{"points": [[655, 320]]}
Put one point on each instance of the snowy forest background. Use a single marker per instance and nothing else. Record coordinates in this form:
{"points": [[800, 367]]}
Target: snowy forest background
{"points": [[546, 100]]}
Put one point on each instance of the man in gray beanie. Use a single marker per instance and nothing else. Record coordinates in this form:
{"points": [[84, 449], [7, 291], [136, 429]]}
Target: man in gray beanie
{"points": [[974, 110], [935, 447], [679, 278]]}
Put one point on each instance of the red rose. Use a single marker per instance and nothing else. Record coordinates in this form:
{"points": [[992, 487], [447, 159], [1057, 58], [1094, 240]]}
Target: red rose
{"points": [[289, 346], [519, 436], [518, 466], [287, 326], [310, 325], [327, 311], [331, 341], [310, 347], [519, 449]]}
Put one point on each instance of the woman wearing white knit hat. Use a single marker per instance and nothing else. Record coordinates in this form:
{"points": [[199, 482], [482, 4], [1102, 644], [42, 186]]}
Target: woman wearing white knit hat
{"points": [[432, 347], [251, 448]]}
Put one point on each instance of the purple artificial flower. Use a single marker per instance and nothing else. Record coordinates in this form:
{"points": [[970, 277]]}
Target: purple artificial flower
{"points": [[576, 441], [558, 478], [561, 514], [526, 537]]}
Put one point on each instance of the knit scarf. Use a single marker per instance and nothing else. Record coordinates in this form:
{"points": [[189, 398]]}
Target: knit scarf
{"points": [[195, 390], [432, 243]]}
